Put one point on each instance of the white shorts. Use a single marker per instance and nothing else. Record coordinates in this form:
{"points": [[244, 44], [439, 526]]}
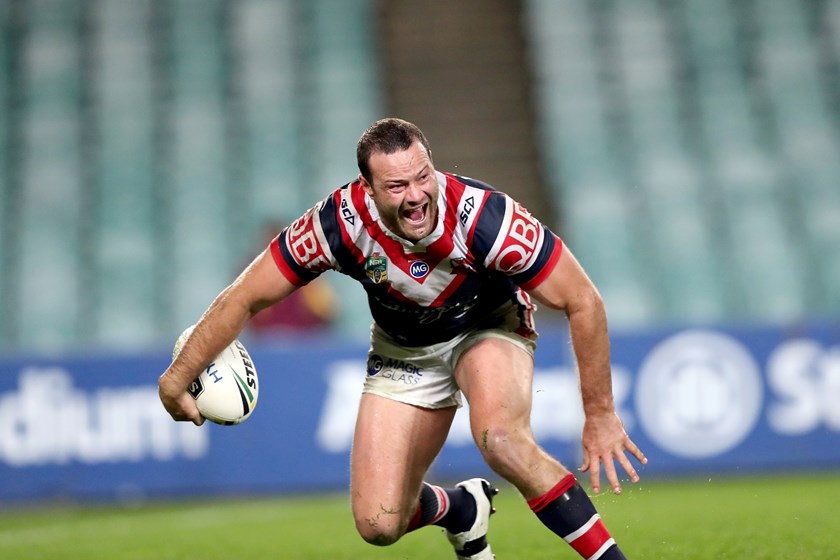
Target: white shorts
{"points": [[424, 375]]}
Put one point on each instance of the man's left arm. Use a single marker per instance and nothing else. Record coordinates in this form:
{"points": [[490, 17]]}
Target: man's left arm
{"points": [[568, 288]]}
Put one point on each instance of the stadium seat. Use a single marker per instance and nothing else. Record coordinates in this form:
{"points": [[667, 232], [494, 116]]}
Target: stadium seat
{"points": [[265, 37], [789, 57], [701, 124], [6, 231], [721, 141], [666, 169], [50, 211], [342, 86], [125, 261], [582, 163], [153, 141], [342, 97], [743, 178]]}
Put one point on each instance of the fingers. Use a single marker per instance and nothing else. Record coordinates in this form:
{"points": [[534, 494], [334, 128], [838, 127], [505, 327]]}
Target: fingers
{"points": [[637, 453], [595, 474], [625, 462], [193, 415], [182, 409], [612, 476], [604, 442], [190, 410], [593, 463], [628, 467]]}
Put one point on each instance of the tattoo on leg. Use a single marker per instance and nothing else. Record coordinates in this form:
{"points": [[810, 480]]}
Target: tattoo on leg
{"points": [[484, 440]]}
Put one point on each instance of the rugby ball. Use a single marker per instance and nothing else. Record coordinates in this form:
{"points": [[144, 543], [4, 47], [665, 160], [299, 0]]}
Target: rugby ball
{"points": [[226, 391]]}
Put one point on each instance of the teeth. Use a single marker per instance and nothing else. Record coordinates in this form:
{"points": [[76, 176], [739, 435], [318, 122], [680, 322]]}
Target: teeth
{"points": [[416, 214]]}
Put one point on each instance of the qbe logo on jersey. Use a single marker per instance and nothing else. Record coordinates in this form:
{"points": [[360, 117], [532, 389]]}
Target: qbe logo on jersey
{"points": [[699, 394], [302, 241], [517, 249]]}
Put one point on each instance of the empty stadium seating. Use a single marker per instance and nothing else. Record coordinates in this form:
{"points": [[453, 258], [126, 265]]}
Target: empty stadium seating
{"points": [[702, 136], [153, 142], [48, 244], [691, 149]]}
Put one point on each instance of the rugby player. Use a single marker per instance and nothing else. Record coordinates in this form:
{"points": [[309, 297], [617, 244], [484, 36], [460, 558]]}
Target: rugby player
{"points": [[451, 268]]}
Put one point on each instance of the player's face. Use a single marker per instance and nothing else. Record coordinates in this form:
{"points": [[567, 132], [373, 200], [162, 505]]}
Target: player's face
{"points": [[405, 190]]}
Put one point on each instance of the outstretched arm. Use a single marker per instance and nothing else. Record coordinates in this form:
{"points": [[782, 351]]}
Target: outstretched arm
{"points": [[260, 285], [568, 288]]}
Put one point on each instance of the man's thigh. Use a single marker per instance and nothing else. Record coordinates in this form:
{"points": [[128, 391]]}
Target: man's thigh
{"points": [[496, 376], [393, 447]]}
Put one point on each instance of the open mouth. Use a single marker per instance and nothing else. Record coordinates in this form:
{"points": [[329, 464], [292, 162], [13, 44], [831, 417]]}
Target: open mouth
{"points": [[416, 215]]}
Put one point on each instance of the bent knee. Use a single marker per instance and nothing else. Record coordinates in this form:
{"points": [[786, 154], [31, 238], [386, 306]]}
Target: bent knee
{"points": [[380, 530], [503, 448], [503, 439]]}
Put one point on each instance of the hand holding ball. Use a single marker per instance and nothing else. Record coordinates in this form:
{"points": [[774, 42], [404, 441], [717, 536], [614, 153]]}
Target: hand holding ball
{"points": [[226, 391]]}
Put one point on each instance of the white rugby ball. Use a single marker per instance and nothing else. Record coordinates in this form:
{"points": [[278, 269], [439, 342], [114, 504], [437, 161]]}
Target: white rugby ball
{"points": [[226, 391]]}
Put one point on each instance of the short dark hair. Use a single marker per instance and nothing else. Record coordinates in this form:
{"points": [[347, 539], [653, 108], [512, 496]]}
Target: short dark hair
{"points": [[387, 136]]}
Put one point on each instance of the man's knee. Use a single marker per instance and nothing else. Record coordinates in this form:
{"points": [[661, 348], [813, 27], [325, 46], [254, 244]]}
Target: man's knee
{"points": [[504, 448], [502, 439], [382, 528]]}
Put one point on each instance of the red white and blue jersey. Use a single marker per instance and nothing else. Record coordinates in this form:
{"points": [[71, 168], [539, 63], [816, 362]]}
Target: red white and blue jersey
{"points": [[485, 250]]}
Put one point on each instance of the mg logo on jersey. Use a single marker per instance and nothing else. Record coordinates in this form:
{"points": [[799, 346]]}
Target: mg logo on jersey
{"points": [[375, 363], [418, 269]]}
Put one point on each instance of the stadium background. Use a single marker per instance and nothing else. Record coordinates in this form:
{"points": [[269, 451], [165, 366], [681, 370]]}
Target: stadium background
{"points": [[687, 150]]}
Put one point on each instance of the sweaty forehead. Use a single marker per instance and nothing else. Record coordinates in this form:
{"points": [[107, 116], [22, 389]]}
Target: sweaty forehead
{"points": [[400, 164]]}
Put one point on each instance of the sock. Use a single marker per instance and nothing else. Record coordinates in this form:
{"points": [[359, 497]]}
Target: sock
{"points": [[451, 508], [569, 513]]}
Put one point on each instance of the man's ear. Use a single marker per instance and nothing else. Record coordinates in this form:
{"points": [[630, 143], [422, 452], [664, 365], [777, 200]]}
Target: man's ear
{"points": [[365, 185]]}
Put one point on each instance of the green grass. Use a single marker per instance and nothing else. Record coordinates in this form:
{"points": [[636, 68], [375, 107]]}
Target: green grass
{"points": [[790, 517]]}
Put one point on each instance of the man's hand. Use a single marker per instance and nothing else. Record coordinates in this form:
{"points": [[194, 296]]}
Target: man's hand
{"points": [[604, 439], [178, 403]]}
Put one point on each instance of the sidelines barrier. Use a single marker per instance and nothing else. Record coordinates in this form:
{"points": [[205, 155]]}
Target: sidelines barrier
{"points": [[696, 401]]}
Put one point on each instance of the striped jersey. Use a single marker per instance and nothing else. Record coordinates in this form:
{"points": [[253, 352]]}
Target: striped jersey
{"points": [[485, 250]]}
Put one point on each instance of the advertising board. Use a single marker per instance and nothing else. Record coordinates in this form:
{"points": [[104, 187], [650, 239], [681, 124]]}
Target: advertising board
{"points": [[698, 401]]}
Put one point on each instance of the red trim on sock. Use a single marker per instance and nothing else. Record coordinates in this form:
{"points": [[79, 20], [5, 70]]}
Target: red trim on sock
{"points": [[592, 540], [442, 509], [559, 489], [443, 504], [415, 520]]}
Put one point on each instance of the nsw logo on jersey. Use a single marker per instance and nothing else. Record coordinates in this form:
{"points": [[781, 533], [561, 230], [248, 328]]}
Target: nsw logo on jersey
{"points": [[376, 268]]}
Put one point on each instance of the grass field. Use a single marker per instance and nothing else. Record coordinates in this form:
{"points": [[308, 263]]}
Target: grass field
{"points": [[784, 517]]}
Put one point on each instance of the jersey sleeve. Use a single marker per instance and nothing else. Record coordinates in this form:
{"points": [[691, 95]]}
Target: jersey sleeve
{"points": [[515, 243], [301, 251]]}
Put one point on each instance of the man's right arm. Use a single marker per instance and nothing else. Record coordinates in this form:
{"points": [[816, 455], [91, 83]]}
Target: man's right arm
{"points": [[260, 285], [568, 288]]}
